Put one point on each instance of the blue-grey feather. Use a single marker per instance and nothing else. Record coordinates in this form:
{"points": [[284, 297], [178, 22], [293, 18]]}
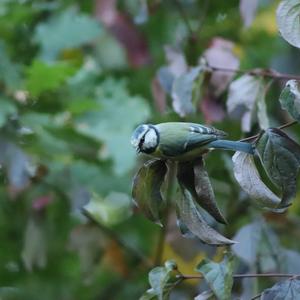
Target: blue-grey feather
{"points": [[232, 145]]}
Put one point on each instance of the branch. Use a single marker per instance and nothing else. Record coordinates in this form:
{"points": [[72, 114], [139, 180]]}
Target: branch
{"points": [[257, 72], [286, 125], [237, 276]]}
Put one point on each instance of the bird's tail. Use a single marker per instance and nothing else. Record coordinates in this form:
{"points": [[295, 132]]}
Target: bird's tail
{"points": [[232, 145]]}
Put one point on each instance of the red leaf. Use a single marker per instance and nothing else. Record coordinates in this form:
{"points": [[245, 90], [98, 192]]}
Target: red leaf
{"points": [[220, 55], [41, 203], [212, 110], [123, 29]]}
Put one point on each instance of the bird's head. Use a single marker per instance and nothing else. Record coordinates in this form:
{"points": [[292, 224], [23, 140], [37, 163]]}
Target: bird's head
{"points": [[145, 138]]}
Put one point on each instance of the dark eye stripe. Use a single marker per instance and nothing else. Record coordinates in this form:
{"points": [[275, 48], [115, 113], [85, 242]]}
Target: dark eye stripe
{"points": [[141, 143]]}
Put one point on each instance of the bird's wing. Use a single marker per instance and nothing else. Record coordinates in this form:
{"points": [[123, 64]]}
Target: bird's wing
{"points": [[204, 129], [177, 139]]}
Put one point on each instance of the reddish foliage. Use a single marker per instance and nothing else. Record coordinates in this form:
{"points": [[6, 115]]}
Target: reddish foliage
{"points": [[123, 29]]}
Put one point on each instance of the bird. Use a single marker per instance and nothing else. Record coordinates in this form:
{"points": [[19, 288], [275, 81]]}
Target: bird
{"points": [[182, 141]]}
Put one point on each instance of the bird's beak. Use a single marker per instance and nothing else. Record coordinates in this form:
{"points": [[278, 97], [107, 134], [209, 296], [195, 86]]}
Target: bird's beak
{"points": [[134, 143]]}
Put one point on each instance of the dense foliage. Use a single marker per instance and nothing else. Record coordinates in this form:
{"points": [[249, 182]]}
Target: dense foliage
{"points": [[76, 77]]}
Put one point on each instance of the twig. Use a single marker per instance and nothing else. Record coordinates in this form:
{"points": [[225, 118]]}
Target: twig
{"points": [[112, 235], [163, 232], [287, 124], [250, 138], [236, 276], [256, 297], [257, 72]]}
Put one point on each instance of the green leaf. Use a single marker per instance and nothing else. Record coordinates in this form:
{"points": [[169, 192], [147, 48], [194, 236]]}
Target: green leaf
{"points": [[248, 238], [290, 261], [218, 276], [162, 280], [287, 290], [9, 71], [290, 99], [69, 29], [246, 96], [247, 176], [262, 116], [258, 245], [206, 295], [189, 214], [114, 121], [149, 295], [288, 13], [44, 77], [146, 189], [109, 52], [8, 109], [10, 293], [111, 210], [280, 157], [182, 91], [193, 177]]}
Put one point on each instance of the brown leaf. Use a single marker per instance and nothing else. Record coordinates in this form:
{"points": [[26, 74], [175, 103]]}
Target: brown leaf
{"points": [[189, 214], [114, 258], [146, 189], [159, 96], [193, 177]]}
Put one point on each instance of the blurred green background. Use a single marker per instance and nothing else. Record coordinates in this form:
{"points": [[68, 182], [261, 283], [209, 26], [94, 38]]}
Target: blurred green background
{"points": [[76, 77]]}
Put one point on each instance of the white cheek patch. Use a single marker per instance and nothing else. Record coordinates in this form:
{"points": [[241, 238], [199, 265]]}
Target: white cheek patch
{"points": [[136, 139], [150, 139]]}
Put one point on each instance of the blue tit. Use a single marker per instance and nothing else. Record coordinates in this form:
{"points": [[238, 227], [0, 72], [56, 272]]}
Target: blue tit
{"points": [[180, 141]]}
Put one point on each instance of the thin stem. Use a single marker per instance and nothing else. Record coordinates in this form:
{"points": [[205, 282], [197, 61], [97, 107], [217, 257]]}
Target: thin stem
{"points": [[257, 72], [236, 276], [287, 124], [163, 232], [250, 138]]}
